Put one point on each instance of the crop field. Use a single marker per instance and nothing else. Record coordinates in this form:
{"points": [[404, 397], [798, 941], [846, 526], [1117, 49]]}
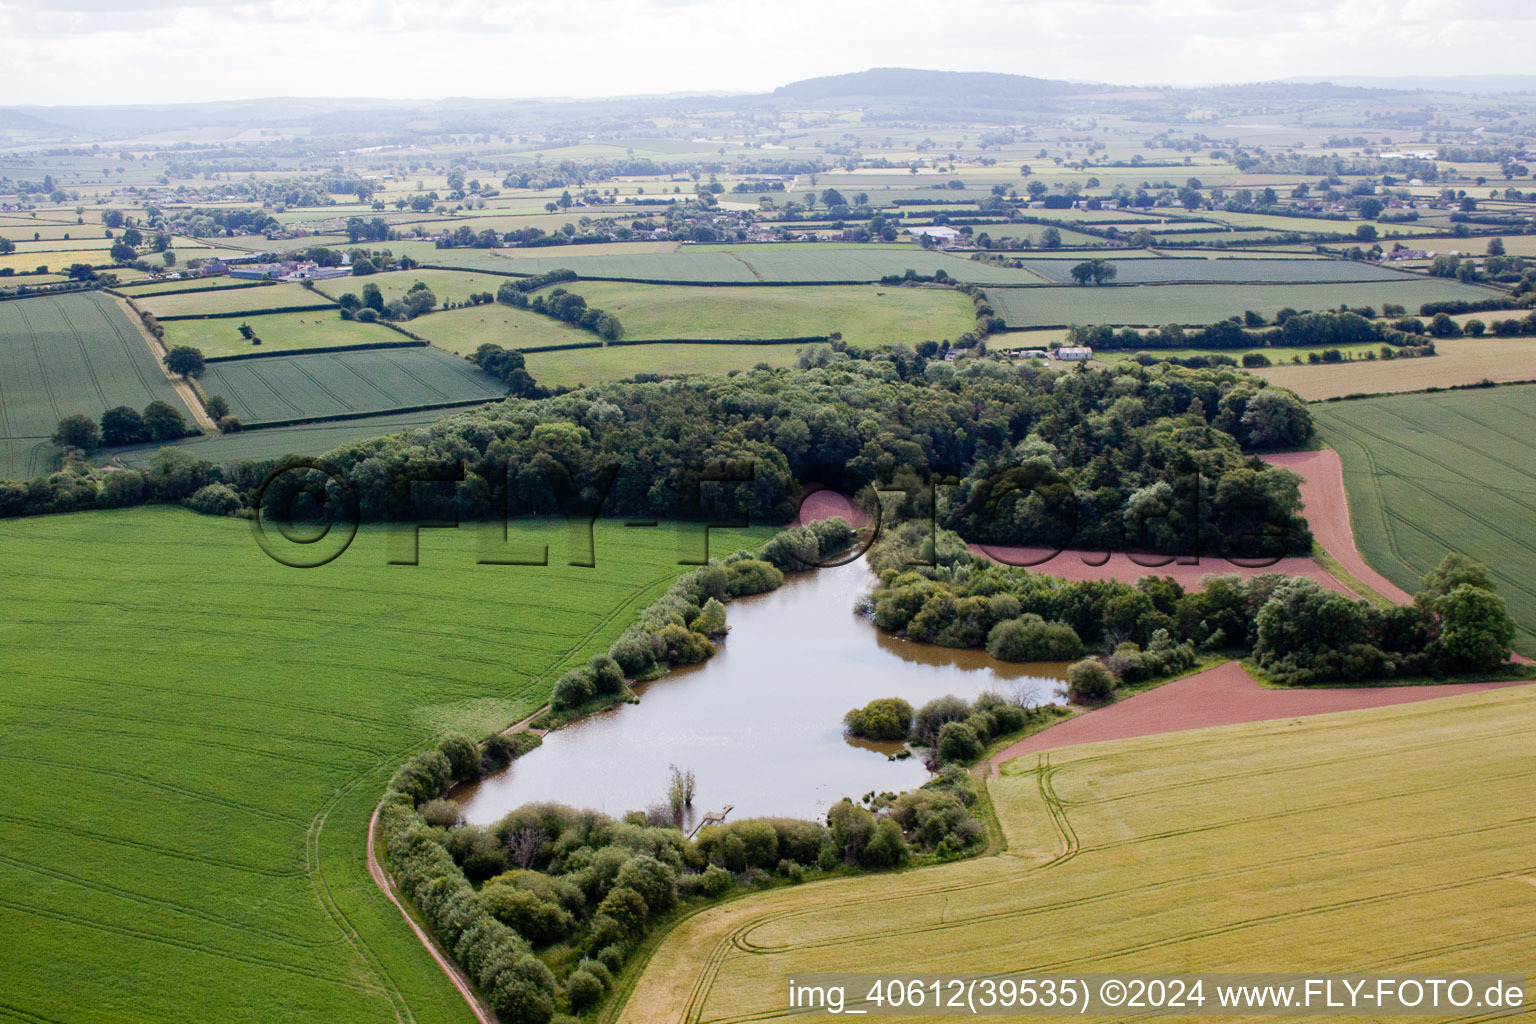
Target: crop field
{"points": [[231, 300], [1227, 271], [618, 362], [184, 836], [684, 266], [1369, 841], [1458, 361], [1150, 305], [307, 439], [338, 383], [279, 332], [1427, 474], [866, 314], [67, 355]]}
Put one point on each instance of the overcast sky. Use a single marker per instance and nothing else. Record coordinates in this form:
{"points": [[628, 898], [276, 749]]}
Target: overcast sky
{"points": [[117, 51]]}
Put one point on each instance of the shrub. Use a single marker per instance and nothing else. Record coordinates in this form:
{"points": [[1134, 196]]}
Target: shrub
{"points": [[887, 718], [540, 922], [612, 957], [887, 848], [462, 755], [424, 777], [1089, 681], [78, 432], [713, 881], [573, 689], [214, 500], [1031, 638], [607, 676], [583, 990], [441, 813], [122, 425], [958, 741], [932, 716]]}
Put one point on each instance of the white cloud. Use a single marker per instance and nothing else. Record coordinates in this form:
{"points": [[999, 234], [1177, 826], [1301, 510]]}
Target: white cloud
{"points": [[95, 51]]}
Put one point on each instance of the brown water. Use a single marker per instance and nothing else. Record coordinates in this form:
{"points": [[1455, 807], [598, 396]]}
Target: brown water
{"points": [[760, 723]]}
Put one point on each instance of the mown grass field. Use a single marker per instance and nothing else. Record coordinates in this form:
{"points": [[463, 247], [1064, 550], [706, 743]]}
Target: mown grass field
{"points": [[66, 355], [1427, 474], [865, 314], [1375, 841], [231, 300], [146, 288], [464, 330], [1151, 305], [279, 332], [337, 383], [617, 362], [447, 285], [184, 836], [1457, 361]]}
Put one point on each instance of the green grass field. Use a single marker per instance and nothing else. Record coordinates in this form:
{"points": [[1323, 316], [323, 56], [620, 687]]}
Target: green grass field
{"points": [[1150, 305], [595, 365], [185, 834], [279, 332], [67, 355], [864, 314], [1427, 474], [464, 330], [1375, 841], [337, 383], [447, 285], [231, 300]]}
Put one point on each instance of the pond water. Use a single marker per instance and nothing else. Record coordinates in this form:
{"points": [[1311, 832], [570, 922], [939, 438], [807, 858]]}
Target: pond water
{"points": [[760, 723]]}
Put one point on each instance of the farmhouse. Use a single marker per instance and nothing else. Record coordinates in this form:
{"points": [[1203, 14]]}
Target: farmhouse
{"points": [[937, 232], [1073, 354]]}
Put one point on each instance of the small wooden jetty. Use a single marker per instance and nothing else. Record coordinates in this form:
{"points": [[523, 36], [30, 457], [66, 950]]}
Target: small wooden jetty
{"points": [[711, 818]]}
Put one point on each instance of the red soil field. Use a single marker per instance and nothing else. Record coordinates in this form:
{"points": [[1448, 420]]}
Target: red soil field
{"points": [[1327, 510], [1224, 695], [1080, 565]]}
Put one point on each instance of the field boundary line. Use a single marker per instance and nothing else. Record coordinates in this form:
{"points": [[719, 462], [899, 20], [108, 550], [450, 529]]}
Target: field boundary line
{"points": [[183, 389]]}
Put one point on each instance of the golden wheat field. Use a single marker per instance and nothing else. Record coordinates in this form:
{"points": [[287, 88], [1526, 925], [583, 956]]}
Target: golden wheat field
{"points": [[1398, 839]]}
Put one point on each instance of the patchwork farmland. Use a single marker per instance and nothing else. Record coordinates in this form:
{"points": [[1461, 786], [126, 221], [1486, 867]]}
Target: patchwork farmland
{"points": [[326, 385], [65, 355]]}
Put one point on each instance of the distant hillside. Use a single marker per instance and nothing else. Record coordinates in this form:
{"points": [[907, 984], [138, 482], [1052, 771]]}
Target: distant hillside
{"points": [[1477, 84], [981, 88]]}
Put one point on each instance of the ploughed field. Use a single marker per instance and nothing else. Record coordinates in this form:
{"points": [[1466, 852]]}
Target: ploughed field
{"points": [[1432, 473], [67, 354], [1369, 841], [196, 736]]}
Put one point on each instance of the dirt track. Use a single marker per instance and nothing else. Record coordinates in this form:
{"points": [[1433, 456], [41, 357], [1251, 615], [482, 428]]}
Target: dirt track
{"points": [[386, 885], [1326, 506], [1224, 695]]}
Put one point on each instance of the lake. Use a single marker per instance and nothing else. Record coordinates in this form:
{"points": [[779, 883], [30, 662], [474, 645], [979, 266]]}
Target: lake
{"points": [[760, 723]]}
